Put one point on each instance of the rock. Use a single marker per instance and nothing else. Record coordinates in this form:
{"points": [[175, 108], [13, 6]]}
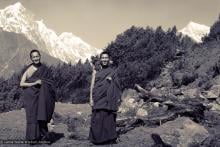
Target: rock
{"points": [[177, 92], [128, 104], [130, 93], [78, 126], [156, 92], [192, 93], [214, 90], [156, 104], [214, 106], [211, 95], [51, 125], [163, 92], [74, 122], [183, 78], [216, 80], [130, 101], [218, 101], [141, 112], [182, 132]]}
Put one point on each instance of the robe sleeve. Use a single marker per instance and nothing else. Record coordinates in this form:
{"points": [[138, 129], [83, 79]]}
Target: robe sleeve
{"points": [[114, 93], [47, 96]]}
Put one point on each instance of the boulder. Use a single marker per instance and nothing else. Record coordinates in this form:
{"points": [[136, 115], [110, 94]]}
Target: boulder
{"points": [[51, 125], [156, 92], [182, 132], [211, 95], [141, 112], [78, 127], [130, 101], [214, 91], [192, 93], [214, 106]]}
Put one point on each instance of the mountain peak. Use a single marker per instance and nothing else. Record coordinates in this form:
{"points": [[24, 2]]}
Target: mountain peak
{"points": [[15, 8], [195, 31], [194, 24], [67, 47]]}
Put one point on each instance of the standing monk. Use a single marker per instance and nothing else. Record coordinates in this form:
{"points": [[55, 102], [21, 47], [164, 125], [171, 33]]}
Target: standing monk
{"points": [[104, 99], [39, 98]]}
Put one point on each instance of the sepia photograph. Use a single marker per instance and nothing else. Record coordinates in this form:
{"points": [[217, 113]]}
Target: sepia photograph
{"points": [[110, 73]]}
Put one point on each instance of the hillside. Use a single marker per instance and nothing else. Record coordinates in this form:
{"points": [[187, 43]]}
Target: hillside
{"points": [[14, 53]]}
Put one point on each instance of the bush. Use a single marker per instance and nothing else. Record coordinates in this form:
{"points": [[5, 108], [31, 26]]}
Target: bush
{"points": [[73, 82]]}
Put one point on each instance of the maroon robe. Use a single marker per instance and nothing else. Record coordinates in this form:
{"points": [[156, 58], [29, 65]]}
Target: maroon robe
{"points": [[39, 101], [106, 94], [106, 97]]}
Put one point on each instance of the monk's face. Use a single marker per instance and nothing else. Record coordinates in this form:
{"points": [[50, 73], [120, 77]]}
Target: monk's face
{"points": [[35, 57], [104, 59]]}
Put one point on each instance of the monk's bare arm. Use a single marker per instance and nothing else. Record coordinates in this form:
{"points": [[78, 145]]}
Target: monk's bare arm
{"points": [[91, 87], [25, 84]]}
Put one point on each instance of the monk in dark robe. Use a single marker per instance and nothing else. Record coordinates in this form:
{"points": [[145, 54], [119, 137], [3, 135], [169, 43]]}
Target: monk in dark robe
{"points": [[39, 98], [105, 97]]}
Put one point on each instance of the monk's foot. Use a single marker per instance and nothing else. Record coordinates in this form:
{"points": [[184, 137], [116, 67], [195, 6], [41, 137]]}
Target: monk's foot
{"points": [[46, 138]]}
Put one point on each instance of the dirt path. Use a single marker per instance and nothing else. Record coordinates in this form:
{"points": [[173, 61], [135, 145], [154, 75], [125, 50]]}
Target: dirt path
{"points": [[12, 127]]}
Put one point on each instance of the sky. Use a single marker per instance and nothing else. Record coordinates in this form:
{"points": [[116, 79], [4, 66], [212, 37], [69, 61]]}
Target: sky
{"points": [[98, 22]]}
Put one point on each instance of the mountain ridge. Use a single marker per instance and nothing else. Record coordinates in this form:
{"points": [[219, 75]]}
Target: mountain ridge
{"points": [[66, 46], [14, 53]]}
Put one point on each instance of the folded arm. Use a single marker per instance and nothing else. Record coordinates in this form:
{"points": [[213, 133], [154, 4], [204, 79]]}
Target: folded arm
{"points": [[27, 84]]}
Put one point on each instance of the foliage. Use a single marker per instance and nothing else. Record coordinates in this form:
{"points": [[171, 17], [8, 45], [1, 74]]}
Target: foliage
{"points": [[141, 53], [214, 33], [73, 81]]}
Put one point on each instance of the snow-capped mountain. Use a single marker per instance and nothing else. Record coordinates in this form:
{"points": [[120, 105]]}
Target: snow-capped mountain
{"points": [[195, 31], [14, 53], [66, 46]]}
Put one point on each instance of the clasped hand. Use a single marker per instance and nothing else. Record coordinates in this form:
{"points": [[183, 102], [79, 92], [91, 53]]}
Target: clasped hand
{"points": [[109, 78], [38, 82]]}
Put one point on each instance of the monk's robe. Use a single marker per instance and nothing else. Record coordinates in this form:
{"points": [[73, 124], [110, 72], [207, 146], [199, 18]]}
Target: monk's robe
{"points": [[106, 97], [39, 102]]}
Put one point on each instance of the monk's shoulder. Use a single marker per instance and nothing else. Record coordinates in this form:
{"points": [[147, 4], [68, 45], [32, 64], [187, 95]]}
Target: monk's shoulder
{"points": [[113, 69], [29, 71], [45, 67]]}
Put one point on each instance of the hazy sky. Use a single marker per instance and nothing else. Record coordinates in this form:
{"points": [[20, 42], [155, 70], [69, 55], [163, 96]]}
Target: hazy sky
{"points": [[99, 21]]}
